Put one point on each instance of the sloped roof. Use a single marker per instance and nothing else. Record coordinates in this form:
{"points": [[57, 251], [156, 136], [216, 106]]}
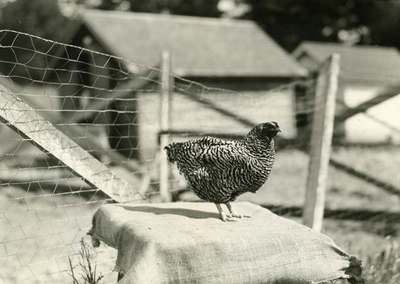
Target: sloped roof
{"points": [[374, 64], [199, 46]]}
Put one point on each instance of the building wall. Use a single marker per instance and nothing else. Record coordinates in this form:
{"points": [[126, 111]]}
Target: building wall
{"points": [[362, 129], [258, 106]]}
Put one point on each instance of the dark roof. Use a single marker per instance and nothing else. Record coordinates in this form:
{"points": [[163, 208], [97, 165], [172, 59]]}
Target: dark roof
{"points": [[373, 64], [199, 46]]}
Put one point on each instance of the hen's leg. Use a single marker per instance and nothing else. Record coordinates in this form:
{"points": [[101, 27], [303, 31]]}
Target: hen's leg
{"points": [[222, 214], [233, 213]]}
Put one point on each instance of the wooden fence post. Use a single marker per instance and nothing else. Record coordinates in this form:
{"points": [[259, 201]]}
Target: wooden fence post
{"points": [[321, 142], [165, 115]]}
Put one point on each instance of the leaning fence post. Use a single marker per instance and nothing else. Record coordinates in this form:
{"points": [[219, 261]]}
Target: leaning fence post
{"points": [[165, 115], [321, 142]]}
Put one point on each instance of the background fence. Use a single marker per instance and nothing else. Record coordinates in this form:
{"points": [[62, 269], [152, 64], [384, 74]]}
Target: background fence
{"points": [[81, 128]]}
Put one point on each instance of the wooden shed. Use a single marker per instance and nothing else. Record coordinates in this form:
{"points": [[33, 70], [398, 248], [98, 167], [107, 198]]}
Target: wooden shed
{"points": [[366, 72], [222, 53]]}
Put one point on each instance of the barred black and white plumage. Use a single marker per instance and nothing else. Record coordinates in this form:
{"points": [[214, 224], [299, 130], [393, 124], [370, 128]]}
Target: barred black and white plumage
{"points": [[219, 170]]}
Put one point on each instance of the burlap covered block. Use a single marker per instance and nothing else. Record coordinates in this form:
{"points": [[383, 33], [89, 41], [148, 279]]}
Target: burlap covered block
{"points": [[188, 243]]}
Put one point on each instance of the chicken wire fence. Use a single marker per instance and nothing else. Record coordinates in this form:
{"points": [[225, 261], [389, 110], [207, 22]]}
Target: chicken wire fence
{"points": [[81, 128]]}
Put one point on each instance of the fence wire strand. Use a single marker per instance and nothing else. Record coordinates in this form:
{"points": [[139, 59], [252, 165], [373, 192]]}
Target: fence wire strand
{"points": [[110, 108]]}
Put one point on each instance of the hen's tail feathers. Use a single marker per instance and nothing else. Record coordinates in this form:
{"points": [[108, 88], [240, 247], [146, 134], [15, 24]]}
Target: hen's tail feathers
{"points": [[172, 151]]}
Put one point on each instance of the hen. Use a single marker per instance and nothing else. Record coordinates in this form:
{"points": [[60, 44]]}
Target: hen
{"points": [[219, 170]]}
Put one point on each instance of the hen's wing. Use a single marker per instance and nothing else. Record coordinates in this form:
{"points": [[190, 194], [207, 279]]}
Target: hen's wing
{"points": [[221, 153], [208, 154]]}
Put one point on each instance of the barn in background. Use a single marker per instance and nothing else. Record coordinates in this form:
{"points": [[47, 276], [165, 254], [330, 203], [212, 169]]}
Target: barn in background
{"points": [[219, 53], [365, 72]]}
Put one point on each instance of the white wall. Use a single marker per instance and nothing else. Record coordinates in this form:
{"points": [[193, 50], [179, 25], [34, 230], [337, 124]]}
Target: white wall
{"points": [[362, 129], [257, 106]]}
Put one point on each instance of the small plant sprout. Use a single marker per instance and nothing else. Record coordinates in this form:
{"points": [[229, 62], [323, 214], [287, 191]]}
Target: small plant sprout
{"points": [[87, 268]]}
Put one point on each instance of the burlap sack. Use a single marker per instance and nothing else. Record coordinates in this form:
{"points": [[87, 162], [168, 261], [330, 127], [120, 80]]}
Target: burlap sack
{"points": [[187, 243]]}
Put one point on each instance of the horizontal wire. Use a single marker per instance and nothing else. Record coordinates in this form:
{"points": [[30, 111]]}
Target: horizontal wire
{"points": [[182, 85]]}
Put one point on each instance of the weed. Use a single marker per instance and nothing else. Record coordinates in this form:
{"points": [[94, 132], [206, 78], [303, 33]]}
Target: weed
{"points": [[384, 267], [88, 273]]}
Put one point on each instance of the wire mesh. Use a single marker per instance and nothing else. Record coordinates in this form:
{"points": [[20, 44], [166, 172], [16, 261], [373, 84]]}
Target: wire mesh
{"points": [[110, 108]]}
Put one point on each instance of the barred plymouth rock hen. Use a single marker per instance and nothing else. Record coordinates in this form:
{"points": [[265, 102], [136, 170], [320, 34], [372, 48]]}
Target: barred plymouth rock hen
{"points": [[219, 170]]}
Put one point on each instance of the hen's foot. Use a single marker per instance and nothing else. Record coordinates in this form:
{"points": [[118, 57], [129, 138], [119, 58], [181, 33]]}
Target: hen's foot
{"points": [[224, 217], [228, 218], [233, 214], [240, 216]]}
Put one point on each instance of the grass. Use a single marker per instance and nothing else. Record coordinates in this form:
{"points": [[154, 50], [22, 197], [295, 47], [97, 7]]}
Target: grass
{"points": [[384, 267], [288, 180]]}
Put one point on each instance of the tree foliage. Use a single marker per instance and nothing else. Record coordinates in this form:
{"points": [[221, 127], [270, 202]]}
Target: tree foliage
{"points": [[288, 21], [38, 17], [361, 21], [180, 7]]}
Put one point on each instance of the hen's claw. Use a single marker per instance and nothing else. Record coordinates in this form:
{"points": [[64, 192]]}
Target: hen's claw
{"points": [[234, 214], [240, 216], [231, 216], [228, 218]]}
